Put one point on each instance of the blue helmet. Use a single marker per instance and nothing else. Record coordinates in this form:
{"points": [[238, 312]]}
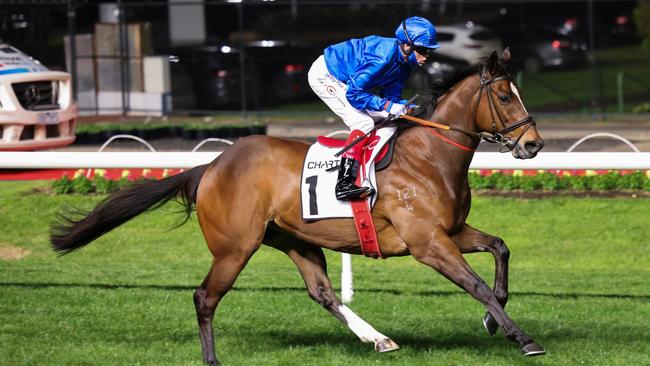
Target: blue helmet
{"points": [[417, 31]]}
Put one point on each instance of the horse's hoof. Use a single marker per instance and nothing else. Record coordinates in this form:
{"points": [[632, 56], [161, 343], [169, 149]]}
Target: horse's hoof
{"points": [[386, 345], [532, 349], [211, 362], [490, 324]]}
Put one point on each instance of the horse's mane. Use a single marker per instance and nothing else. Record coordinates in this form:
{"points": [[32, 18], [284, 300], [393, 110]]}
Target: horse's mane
{"points": [[430, 99]]}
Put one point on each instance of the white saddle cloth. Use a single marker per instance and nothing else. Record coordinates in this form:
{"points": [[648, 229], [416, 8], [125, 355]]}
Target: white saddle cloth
{"points": [[317, 184]]}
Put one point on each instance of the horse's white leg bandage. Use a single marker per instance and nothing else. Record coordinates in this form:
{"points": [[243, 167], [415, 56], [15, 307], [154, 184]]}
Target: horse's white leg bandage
{"points": [[358, 326]]}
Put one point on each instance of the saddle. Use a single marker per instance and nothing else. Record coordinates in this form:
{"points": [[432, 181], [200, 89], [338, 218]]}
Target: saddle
{"points": [[383, 158], [319, 178]]}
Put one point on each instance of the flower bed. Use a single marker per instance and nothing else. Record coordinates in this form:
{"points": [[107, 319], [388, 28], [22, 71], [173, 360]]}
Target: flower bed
{"points": [[105, 181], [86, 181], [555, 180]]}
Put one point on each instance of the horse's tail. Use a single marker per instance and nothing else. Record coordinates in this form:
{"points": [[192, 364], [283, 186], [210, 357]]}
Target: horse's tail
{"points": [[72, 232]]}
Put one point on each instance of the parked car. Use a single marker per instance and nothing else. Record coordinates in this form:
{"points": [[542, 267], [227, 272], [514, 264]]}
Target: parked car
{"points": [[468, 41], [622, 30], [536, 48], [37, 109], [573, 27], [275, 72], [439, 70]]}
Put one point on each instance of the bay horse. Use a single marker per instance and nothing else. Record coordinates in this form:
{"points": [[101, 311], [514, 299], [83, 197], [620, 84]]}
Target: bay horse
{"points": [[249, 195]]}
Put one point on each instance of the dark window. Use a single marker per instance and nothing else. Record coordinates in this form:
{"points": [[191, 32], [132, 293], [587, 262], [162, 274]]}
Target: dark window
{"points": [[37, 95], [52, 131], [444, 37], [28, 133], [546, 34], [483, 36]]}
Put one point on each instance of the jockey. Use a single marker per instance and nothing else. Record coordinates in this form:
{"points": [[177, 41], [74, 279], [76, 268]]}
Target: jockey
{"points": [[346, 74]]}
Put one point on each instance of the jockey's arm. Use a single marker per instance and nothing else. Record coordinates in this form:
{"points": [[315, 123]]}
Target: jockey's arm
{"points": [[393, 92], [359, 85]]}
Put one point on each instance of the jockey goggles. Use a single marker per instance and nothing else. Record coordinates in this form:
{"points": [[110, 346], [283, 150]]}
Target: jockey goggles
{"points": [[427, 52]]}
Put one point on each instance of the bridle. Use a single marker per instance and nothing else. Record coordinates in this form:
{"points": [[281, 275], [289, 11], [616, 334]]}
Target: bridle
{"points": [[496, 136], [499, 136]]}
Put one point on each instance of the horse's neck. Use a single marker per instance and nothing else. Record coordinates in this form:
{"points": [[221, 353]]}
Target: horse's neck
{"points": [[436, 152], [458, 108], [425, 152]]}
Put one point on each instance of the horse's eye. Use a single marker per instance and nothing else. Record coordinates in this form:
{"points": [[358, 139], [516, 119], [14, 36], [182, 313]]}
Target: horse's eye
{"points": [[504, 99]]}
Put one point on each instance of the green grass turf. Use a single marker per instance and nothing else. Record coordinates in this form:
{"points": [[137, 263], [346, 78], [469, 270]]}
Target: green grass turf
{"points": [[579, 286]]}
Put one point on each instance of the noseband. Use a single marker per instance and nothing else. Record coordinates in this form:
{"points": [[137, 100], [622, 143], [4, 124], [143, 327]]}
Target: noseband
{"points": [[499, 137]]}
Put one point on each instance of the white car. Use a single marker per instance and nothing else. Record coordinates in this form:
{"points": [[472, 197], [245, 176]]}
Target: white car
{"points": [[468, 41], [37, 109]]}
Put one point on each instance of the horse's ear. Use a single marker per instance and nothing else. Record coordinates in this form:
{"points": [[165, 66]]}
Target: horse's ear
{"points": [[506, 55], [493, 62]]}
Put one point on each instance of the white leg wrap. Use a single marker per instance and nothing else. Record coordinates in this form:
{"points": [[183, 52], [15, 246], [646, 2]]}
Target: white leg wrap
{"points": [[358, 326]]}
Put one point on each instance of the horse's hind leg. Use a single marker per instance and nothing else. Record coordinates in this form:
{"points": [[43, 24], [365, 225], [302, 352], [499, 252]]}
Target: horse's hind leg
{"points": [[311, 263], [227, 263], [442, 254], [470, 240]]}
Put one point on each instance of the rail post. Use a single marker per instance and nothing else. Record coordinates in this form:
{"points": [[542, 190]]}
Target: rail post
{"points": [[619, 88]]}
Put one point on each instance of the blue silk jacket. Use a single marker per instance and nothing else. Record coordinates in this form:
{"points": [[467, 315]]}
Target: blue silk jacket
{"points": [[367, 63]]}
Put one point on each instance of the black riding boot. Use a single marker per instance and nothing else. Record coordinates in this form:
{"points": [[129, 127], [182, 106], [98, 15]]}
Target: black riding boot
{"points": [[345, 187]]}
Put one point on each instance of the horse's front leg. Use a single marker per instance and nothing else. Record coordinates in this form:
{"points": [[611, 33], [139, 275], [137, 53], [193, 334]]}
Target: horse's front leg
{"points": [[440, 252], [470, 240]]}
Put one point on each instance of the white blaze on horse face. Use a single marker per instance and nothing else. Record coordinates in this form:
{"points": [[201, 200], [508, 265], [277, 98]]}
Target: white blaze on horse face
{"points": [[514, 89], [358, 326]]}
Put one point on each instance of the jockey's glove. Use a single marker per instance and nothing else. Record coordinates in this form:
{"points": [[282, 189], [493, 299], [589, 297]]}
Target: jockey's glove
{"points": [[396, 109], [411, 107]]}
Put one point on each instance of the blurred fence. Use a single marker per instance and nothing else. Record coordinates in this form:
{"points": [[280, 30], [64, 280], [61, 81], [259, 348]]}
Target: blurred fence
{"points": [[190, 56]]}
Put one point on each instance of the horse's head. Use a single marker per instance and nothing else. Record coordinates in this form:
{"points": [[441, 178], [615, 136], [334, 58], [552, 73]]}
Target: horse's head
{"points": [[500, 114]]}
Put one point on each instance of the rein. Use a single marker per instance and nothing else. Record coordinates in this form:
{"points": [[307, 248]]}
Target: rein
{"points": [[431, 124], [496, 136]]}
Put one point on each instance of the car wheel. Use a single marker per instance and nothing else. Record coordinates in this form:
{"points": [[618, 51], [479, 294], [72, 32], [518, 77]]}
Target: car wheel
{"points": [[532, 65]]}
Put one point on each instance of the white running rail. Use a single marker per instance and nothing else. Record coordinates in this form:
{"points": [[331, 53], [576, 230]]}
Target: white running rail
{"points": [[485, 160], [128, 137], [605, 134]]}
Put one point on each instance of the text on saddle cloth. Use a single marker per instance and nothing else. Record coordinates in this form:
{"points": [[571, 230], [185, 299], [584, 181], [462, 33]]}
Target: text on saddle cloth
{"points": [[317, 192]]}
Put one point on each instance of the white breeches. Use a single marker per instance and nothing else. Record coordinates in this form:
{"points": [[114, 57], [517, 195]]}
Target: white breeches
{"points": [[332, 92]]}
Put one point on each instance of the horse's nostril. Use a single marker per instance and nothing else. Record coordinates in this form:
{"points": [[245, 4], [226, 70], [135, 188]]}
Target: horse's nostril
{"points": [[533, 146]]}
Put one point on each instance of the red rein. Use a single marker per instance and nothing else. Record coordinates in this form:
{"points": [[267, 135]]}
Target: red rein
{"points": [[463, 147], [426, 123]]}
